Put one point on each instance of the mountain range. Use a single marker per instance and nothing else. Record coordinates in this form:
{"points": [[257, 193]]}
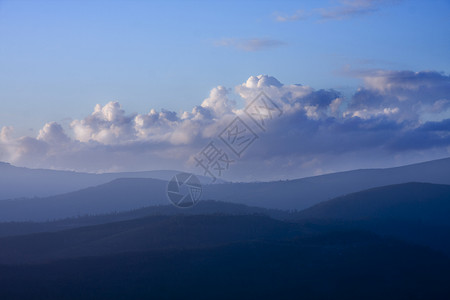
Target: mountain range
{"points": [[132, 193], [20, 182], [218, 257], [363, 234], [412, 212]]}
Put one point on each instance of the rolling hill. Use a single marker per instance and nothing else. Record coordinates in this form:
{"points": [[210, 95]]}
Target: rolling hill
{"points": [[326, 253], [343, 265], [428, 203], [143, 234], [19, 182], [118, 195], [414, 212], [305, 192], [133, 193], [207, 207], [290, 194]]}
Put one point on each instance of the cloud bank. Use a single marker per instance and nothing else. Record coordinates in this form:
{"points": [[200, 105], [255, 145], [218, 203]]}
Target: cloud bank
{"points": [[394, 117]]}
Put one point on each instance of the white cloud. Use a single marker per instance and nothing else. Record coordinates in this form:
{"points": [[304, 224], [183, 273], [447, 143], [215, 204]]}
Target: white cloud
{"points": [[370, 113], [53, 133], [410, 93], [107, 124], [383, 116], [7, 144], [335, 106], [6, 133], [218, 102], [110, 124], [285, 95]]}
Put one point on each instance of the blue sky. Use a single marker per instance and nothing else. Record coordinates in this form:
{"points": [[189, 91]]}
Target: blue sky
{"points": [[58, 59]]}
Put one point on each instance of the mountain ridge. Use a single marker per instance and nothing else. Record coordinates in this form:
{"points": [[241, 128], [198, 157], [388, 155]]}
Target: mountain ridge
{"points": [[21, 182], [414, 212]]}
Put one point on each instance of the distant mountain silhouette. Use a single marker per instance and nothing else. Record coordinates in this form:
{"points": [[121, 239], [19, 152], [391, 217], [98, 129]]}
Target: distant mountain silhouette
{"points": [[133, 193], [415, 212], [117, 195], [424, 202], [302, 193], [290, 194], [18, 182]]}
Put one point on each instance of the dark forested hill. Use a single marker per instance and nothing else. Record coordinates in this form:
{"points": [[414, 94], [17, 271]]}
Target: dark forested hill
{"points": [[347, 266], [149, 233], [217, 256], [415, 212], [206, 207]]}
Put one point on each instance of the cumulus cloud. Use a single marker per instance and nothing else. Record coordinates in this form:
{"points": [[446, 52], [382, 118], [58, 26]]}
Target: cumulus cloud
{"points": [[6, 133], [249, 45], [292, 98], [318, 129], [6, 143], [107, 124], [218, 102], [53, 133], [404, 95]]}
